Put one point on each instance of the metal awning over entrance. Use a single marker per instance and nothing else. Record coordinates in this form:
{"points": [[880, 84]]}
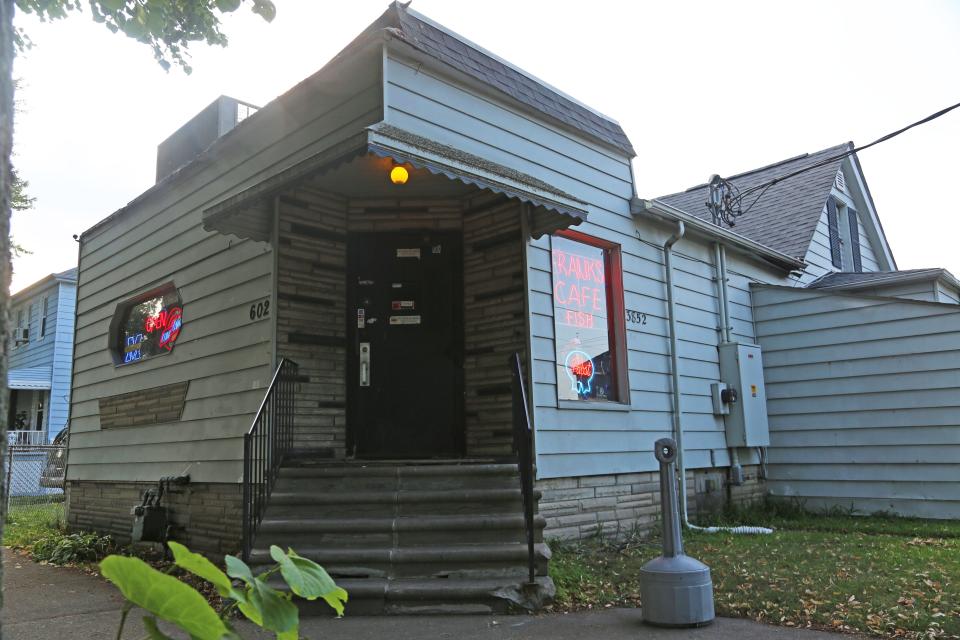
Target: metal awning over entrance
{"points": [[249, 214], [33, 378]]}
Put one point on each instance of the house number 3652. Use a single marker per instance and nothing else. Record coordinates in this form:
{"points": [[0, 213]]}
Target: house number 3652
{"points": [[636, 317], [260, 310]]}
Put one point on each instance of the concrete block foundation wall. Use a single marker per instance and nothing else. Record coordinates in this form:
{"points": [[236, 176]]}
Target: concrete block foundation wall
{"points": [[206, 516], [624, 504]]}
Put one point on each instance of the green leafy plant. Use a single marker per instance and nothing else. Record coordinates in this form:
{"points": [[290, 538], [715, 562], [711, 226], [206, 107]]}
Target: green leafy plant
{"points": [[71, 548], [169, 599]]}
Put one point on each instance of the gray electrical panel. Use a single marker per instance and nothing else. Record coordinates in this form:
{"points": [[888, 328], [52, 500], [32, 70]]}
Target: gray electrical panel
{"points": [[741, 367]]}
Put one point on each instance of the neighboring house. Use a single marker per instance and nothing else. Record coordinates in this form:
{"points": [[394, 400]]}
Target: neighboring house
{"points": [[41, 354], [861, 362], [398, 225]]}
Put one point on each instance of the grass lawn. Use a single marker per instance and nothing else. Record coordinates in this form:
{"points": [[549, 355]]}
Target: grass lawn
{"points": [[883, 576], [28, 523]]}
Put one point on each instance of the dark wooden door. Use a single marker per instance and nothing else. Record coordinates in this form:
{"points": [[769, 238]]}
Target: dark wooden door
{"points": [[405, 328]]}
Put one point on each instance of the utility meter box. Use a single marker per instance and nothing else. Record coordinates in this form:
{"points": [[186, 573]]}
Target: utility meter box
{"points": [[741, 367]]}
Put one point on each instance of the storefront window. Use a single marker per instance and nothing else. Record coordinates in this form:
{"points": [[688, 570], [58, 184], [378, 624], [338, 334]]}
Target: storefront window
{"points": [[147, 326], [587, 316]]}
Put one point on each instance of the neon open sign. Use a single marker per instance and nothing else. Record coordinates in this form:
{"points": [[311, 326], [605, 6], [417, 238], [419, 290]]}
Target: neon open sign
{"points": [[167, 323], [148, 327]]}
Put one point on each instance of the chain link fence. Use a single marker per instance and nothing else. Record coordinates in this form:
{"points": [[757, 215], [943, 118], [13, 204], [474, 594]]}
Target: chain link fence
{"points": [[34, 480]]}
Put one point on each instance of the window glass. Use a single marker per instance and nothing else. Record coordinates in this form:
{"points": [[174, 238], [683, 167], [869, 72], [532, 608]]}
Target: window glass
{"points": [[582, 323], [148, 327], [43, 318]]}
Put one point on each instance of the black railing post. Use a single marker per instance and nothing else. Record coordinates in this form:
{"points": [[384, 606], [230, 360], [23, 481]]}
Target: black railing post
{"points": [[269, 439], [523, 448]]}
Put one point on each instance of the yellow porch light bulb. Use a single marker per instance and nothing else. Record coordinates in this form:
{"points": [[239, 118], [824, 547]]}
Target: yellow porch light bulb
{"points": [[399, 175]]}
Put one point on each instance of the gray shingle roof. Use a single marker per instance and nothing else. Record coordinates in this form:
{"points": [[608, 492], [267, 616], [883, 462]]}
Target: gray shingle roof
{"points": [[846, 279], [785, 217], [449, 48]]}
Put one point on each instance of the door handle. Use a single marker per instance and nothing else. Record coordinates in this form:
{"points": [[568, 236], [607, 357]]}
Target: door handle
{"points": [[364, 364]]}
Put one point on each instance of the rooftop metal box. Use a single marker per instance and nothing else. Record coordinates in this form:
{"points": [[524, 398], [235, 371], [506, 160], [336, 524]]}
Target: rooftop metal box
{"points": [[190, 140], [741, 367]]}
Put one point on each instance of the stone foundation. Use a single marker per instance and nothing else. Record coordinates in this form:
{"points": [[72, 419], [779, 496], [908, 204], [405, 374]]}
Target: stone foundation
{"points": [[206, 517], [624, 504]]}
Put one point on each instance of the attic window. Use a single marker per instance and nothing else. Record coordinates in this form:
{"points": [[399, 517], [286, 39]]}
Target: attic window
{"points": [[147, 325]]}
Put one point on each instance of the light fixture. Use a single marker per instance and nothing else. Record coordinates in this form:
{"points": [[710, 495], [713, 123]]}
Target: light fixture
{"points": [[399, 175]]}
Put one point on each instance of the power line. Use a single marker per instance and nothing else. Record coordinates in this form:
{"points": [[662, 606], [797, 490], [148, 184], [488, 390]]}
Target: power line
{"points": [[737, 200]]}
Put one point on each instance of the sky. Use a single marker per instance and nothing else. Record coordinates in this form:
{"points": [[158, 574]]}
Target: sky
{"points": [[699, 87]]}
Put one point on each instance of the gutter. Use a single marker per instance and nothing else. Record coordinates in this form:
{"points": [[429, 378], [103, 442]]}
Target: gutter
{"points": [[894, 277], [663, 211]]}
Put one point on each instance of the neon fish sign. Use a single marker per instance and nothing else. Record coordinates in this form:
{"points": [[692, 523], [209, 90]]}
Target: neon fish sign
{"points": [[580, 370]]}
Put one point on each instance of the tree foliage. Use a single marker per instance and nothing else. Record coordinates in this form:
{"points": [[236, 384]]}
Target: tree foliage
{"points": [[166, 26], [20, 200]]}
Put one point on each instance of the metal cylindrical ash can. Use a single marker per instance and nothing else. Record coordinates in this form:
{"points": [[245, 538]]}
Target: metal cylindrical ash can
{"points": [[676, 590]]}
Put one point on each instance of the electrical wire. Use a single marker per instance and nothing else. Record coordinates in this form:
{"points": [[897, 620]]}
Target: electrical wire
{"points": [[762, 187]]}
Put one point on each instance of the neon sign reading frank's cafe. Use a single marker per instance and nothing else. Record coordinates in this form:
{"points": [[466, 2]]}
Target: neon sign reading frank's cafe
{"points": [[580, 317], [579, 288]]}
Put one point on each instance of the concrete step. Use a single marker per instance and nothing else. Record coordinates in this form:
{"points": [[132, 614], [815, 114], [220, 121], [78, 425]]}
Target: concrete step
{"points": [[378, 596], [332, 478], [435, 561], [421, 537], [291, 501], [336, 532]]}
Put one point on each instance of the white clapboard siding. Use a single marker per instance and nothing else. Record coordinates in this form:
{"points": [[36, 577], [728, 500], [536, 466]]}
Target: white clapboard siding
{"points": [[868, 257], [227, 357], [585, 442], [863, 396], [947, 294], [62, 326], [819, 262], [592, 439]]}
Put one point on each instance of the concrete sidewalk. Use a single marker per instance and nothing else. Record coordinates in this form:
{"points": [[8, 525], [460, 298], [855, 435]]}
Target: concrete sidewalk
{"points": [[53, 603]]}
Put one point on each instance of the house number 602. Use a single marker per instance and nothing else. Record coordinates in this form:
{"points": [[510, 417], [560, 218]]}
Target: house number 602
{"points": [[259, 310]]}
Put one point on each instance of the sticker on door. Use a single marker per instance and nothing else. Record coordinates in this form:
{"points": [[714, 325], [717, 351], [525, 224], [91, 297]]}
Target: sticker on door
{"points": [[404, 320]]}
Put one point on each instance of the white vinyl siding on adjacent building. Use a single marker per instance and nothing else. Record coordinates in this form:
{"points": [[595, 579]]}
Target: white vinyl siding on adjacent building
{"points": [[60, 322]]}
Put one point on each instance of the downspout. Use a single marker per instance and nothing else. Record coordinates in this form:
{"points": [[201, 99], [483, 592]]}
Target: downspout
{"points": [[720, 266], [675, 387], [675, 366], [719, 261]]}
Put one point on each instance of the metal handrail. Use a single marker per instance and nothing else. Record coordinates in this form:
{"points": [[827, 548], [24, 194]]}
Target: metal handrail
{"points": [[523, 448], [264, 446]]}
